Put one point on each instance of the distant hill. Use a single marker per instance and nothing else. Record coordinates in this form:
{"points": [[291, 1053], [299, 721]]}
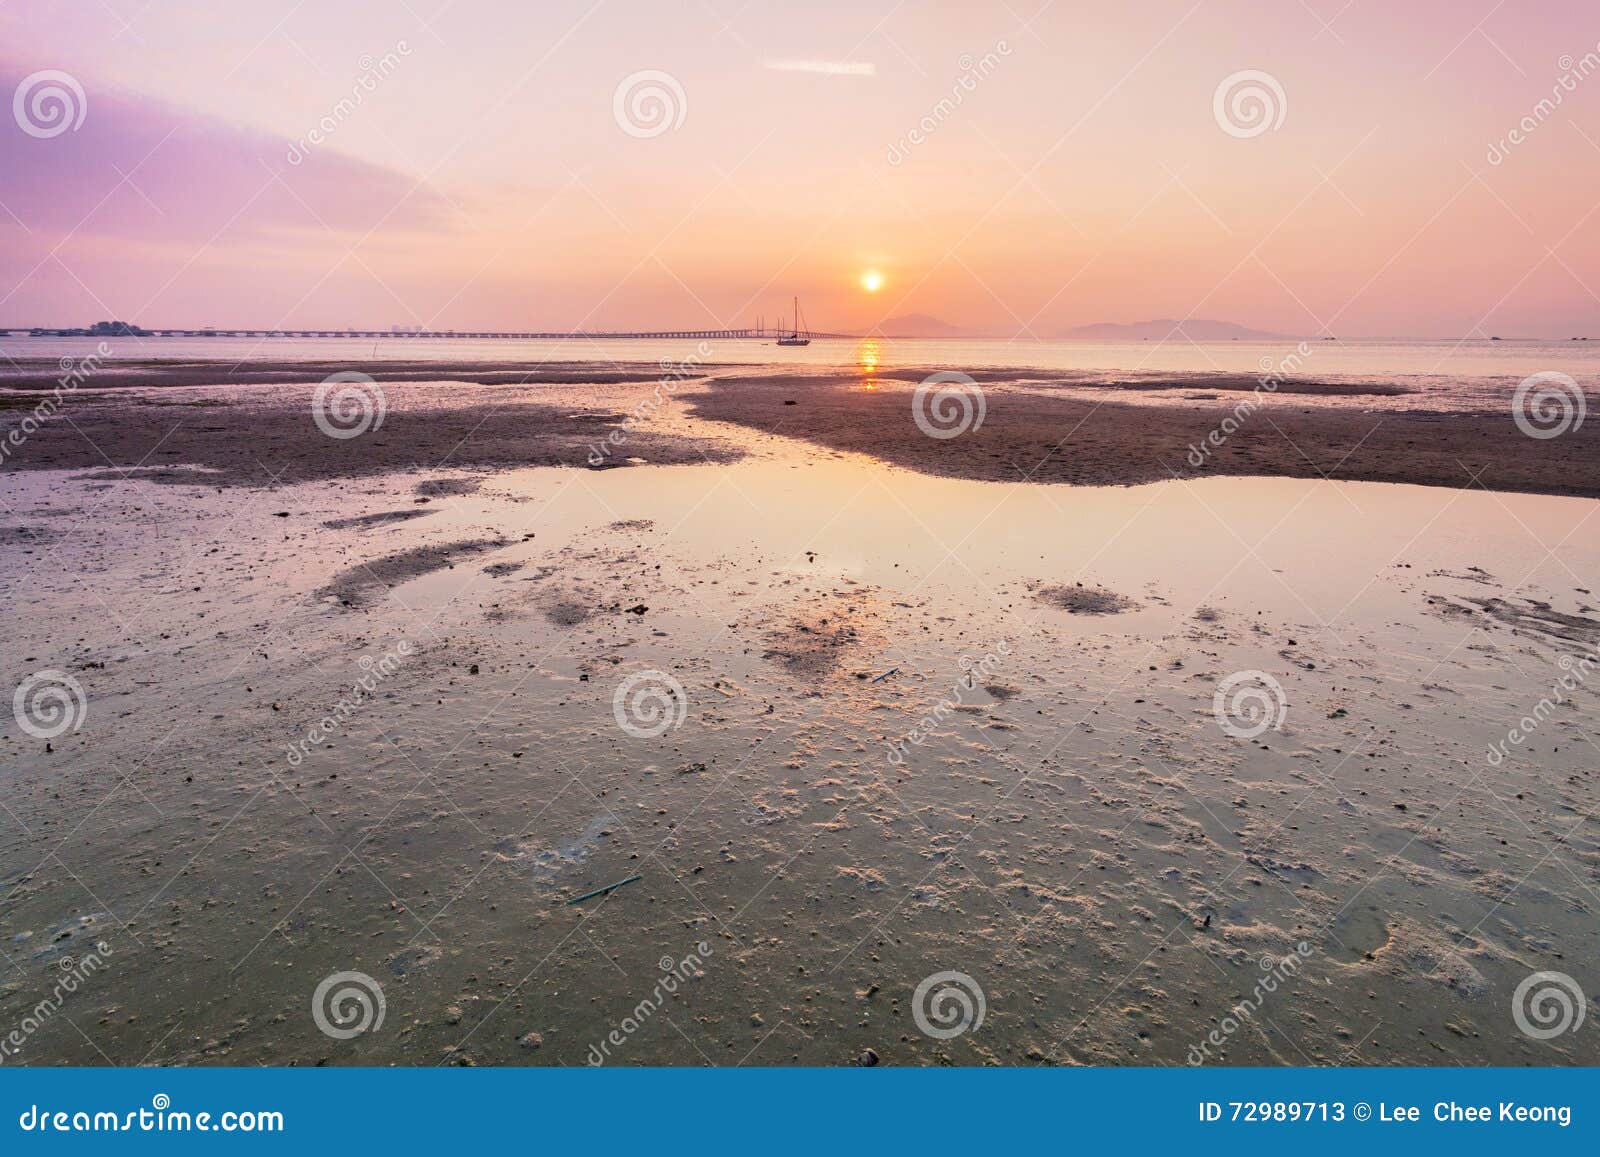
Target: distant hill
{"points": [[1196, 329], [916, 325]]}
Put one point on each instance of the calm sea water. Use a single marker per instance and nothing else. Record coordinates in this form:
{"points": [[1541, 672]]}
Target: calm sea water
{"points": [[1433, 365]]}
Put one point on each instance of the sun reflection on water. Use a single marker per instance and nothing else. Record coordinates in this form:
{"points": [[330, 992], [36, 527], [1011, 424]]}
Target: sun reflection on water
{"points": [[869, 354]]}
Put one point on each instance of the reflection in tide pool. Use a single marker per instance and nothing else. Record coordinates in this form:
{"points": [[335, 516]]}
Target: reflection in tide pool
{"points": [[910, 746]]}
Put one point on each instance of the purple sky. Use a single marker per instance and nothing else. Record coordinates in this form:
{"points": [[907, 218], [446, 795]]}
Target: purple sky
{"points": [[1015, 170]]}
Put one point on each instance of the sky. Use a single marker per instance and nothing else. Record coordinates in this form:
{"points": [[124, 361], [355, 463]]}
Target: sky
{"points": [[1013, 168]]}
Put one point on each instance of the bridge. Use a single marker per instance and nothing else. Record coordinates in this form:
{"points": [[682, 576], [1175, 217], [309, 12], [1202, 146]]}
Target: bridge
{"points": [[409, 335]]}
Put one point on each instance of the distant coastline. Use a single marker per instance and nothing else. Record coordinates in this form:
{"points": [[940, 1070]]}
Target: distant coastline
{"points": [[912, 327]]}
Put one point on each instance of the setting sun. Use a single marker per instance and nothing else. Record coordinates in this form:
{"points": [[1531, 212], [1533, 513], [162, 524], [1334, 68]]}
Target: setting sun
{"points": [[872, 281]]}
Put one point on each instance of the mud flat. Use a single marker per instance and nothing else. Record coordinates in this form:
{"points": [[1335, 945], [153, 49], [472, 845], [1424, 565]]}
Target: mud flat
{"points": [[260, 435], [1037, 426], [1093, 435], [853, 726], [35, 374]]}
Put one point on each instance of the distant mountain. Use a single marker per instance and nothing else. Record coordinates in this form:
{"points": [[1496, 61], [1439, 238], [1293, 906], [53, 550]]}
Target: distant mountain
{"points": [[1196, 329], [916, 325]]}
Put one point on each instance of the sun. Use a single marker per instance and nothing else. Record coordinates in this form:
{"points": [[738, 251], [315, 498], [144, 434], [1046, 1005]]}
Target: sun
{"points": [[872, 281]]}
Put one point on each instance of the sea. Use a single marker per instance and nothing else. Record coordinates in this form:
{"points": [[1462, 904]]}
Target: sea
{"points": [[1467, 371]]}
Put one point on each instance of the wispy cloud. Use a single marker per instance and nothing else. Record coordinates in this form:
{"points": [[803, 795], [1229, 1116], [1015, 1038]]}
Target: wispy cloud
{"points": [[825, 67], [140, 168]]}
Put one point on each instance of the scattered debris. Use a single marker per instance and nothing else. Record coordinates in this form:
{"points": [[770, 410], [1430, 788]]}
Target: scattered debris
{"points": [[606, 891], [1081, 600]]}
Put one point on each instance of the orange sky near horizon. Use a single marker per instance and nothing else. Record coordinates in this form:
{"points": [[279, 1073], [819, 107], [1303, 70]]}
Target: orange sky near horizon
{"points": [[1013, 172]]}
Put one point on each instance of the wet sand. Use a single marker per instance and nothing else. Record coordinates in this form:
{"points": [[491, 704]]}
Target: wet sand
{"points": [[928, 724], [264, 435], [1037, 427], [124, 373], [1093, 437]]}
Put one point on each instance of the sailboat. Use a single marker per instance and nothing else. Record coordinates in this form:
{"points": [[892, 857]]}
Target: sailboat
{"points": [[795, 336]]}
